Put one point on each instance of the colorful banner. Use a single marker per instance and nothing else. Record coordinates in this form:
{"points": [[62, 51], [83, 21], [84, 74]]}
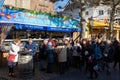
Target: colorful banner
{"points": [[20, 17]]}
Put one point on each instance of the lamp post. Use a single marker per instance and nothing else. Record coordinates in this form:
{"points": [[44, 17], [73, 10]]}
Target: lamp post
{"points": [[91, 26]]}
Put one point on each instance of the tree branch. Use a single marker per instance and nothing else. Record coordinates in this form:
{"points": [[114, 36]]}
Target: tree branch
{"points": [[117, 3]]}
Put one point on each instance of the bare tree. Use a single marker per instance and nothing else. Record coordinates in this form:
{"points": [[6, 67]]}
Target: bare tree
{"points": [[113, 4], [81, 4], [90, 3]]}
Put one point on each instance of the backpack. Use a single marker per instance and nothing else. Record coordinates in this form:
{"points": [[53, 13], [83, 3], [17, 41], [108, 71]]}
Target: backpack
{"points": [[97, 53]]}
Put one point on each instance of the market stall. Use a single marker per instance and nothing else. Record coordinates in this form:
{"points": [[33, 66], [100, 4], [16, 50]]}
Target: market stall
{"points": [[31, 22]]}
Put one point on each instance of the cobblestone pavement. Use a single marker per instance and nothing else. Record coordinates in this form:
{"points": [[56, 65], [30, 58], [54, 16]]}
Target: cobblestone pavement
{"points": [[77, 74], [38, 76], [72, 74]]}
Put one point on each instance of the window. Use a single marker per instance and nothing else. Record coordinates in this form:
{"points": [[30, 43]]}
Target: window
{"points": [[87, 13], [101, 12], [108, 11], [117, 11]]}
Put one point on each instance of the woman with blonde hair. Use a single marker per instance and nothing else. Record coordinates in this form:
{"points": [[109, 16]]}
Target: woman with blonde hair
{"points": [[13, 56]]}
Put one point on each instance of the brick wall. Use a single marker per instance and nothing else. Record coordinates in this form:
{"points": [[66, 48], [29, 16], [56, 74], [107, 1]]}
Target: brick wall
{"points": [[18, 3], [25, 4], [39, 5], [42, 5], [10, 2]]}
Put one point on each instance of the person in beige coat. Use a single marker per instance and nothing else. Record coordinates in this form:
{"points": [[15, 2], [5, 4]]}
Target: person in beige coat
{"points": [[61, 51]]}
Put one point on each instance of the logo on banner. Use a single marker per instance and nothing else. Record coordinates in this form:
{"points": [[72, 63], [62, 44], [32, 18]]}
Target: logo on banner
{"points": [[1, 3]]}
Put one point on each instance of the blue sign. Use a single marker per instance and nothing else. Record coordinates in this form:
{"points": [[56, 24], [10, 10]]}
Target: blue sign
{"points": [[18, 16], [29, 27], [60, 29], [44, 28]]}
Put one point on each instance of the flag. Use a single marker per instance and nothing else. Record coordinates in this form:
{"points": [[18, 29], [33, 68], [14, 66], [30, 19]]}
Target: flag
{"points": [[1, 3]]}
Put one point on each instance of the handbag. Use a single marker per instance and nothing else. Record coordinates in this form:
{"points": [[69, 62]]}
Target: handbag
{"points": [[11, 57]]}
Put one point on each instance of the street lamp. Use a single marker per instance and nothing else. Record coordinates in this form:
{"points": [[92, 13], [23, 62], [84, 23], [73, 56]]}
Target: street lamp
{"points": [[91, 26]]}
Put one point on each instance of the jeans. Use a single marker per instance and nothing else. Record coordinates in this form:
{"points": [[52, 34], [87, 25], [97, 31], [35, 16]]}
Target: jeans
{"points": [[11, 66], [42, 62], [62, 67]]}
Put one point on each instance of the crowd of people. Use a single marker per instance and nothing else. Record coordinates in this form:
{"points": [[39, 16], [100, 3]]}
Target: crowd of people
{"points": [[92, 56]]}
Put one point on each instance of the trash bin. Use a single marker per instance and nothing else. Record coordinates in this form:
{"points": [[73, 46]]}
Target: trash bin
{"points": [[25, 65]]}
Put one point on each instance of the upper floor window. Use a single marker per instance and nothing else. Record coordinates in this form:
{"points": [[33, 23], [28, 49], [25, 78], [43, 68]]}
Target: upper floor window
{"points": [[87, 13], [108, 11], [117, 11], [101, 12]]}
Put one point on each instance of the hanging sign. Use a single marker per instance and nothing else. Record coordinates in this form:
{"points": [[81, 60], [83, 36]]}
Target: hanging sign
{"points": [[20, 17]]}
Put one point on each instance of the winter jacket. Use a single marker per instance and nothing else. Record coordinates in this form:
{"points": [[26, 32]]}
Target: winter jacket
{"points": [[62, 53], [32, 46], [14, 49]]}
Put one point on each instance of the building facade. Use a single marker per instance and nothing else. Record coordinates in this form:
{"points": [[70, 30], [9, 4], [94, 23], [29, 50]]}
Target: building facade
{"points": [[101, 14], [42, 5], [38, 5]]}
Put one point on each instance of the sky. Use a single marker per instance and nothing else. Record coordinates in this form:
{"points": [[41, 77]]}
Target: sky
{"points": [[62, 4]]}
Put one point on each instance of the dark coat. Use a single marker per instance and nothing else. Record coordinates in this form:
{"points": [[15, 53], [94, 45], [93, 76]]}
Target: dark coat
{"points": [[32, 46]]}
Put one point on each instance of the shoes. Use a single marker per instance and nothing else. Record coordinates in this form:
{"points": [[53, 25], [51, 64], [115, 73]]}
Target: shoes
{"points": [[42, 69], [90, 77], [96, 76], [33, 73], [10, 74], [48, 72]]}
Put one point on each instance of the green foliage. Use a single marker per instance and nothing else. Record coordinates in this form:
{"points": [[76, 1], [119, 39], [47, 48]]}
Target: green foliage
{"points": [[38, 12]]}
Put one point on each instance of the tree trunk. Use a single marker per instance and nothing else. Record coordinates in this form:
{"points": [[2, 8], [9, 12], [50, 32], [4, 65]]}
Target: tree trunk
{"points": [[82, 16], [111, 24]]}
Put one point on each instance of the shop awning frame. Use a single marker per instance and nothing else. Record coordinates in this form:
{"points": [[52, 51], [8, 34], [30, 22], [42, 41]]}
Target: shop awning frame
{"points": [[46, 28]]}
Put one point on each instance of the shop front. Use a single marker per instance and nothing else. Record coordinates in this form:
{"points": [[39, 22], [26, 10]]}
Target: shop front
{"points": [[29, 22], [101, 29], [18, 23]]}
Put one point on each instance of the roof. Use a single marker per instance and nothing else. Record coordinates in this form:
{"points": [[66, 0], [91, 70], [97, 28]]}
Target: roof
{"points": [[60, 5]]}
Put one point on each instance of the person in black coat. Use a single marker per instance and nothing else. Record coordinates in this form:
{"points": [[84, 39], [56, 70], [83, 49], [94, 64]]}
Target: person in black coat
{"points": [[116, 48]]}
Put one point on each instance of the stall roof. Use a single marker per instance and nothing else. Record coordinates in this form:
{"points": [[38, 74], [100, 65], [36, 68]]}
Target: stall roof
{"points": [[20, 26], [28, 21]]}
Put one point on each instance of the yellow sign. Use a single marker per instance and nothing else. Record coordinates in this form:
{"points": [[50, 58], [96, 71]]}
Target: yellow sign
{"points": [[99, 24], [5, 55]]}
